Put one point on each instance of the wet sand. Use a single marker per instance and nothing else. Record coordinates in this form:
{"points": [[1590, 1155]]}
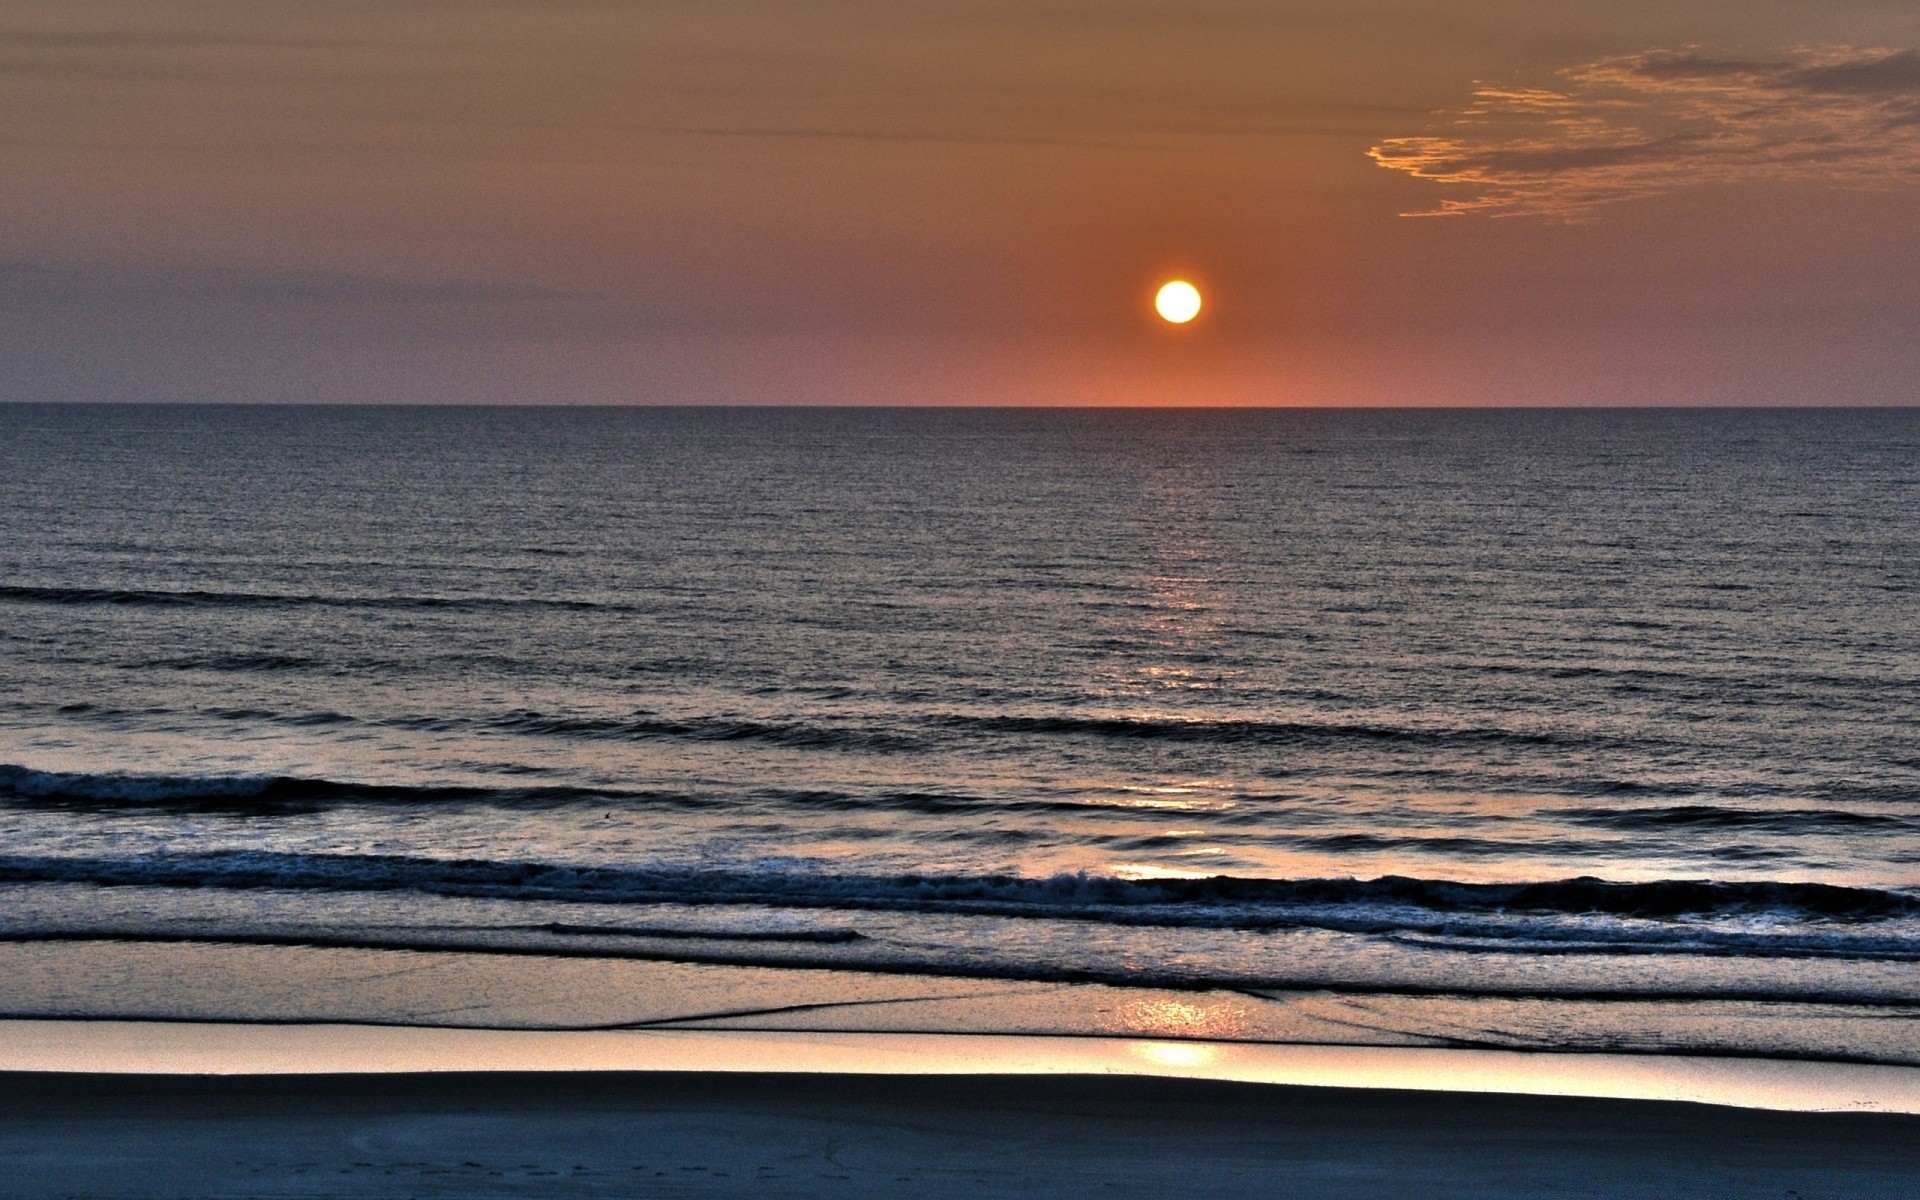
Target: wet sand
{"points": [[739, 1134], [113, 1047]]}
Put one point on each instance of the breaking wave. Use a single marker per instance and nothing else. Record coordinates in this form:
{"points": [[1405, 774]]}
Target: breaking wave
{"points": [[1594, 915]]}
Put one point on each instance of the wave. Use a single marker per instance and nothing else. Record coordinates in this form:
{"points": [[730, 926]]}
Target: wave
{"points": [[1717, 818], [1246, 731], [703, 729], [240, 663], [910, 731], [201, 598], [270, 794], [267, 793], [275, 794], [1783, 917]]}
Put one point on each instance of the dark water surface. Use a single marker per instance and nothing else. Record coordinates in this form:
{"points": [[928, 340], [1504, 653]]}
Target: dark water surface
{"points": [[1583, 704]]}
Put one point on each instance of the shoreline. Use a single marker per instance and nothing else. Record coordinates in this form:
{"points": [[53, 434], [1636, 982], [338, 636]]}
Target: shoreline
{"points": [[50, 1048]]}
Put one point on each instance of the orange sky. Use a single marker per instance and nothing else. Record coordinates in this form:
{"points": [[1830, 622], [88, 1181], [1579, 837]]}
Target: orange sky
{"points": [[896, 202]]}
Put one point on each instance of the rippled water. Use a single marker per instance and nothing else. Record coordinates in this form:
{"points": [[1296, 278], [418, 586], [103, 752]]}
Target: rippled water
{"points": [[1583, 703]]}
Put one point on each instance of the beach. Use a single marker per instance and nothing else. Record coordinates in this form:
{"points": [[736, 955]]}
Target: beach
{"points": [[145, 1109], [719, 1134]]}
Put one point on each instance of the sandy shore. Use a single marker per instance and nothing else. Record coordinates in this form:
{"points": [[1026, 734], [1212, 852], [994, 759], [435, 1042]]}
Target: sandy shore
{"points": [[726, 1134], [192, 1109]]}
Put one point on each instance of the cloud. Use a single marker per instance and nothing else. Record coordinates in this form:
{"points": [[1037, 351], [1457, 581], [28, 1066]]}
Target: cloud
{"points": [[1642, 124]]}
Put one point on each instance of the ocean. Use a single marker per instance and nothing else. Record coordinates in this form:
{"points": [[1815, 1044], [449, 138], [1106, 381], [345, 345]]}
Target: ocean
{"points": [[1591, 729]]}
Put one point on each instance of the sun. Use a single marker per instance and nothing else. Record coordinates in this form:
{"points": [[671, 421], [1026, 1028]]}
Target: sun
{"points": [[1177, 301]]}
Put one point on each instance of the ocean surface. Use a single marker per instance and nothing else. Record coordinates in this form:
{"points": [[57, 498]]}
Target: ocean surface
{"points": [[1600, 706]]}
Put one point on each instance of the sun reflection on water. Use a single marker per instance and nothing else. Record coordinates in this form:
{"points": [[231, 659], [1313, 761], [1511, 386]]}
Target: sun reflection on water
{"points": [[1136, 871], [1177, 1054]]}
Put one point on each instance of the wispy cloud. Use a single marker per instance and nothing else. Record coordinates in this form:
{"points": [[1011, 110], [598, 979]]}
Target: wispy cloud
{"points": [[1642, 124]]}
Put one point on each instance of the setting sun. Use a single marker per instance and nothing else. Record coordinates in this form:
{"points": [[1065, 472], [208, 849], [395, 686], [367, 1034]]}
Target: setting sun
{"points": [[1177, 301]]}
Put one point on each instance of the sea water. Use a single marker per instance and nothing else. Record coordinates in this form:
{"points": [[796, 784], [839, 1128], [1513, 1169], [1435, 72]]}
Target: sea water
{"points": [[1609, 707]]}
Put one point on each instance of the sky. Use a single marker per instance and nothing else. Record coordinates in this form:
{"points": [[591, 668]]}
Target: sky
{"points": [[1460, 202]]}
